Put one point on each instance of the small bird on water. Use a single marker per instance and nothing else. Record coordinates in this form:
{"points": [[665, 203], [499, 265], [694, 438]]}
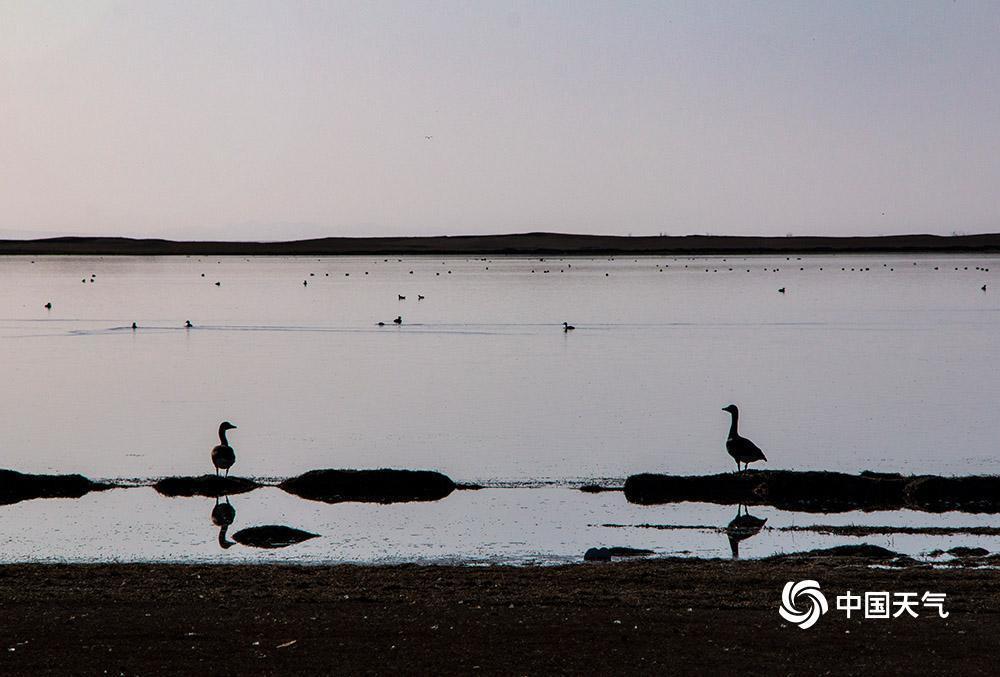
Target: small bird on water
{"points": [[398, 320], [567, 327], [740, 448], [223, 456], [187, 324]]}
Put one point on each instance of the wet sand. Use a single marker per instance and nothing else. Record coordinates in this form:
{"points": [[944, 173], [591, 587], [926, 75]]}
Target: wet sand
{"points": [[518, 244], [666, 616]]}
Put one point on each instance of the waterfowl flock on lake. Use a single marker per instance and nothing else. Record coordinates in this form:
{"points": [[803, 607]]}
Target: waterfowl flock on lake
{"points": [[334, 320], [717, 265]]}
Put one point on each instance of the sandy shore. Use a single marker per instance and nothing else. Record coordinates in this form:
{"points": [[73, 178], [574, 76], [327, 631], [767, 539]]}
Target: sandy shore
{"points": [[520, 244], [667, 616]]}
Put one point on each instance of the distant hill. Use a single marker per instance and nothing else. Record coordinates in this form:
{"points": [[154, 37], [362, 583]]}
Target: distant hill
{"points": [[524, 244]]}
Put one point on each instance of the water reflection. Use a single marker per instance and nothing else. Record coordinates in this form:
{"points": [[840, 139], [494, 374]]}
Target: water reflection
{"points": [[269, 536], [223, 515], [272, 536], [742, 527]]}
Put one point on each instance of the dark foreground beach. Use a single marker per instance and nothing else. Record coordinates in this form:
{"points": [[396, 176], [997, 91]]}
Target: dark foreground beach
{"points": [[653, 617]]}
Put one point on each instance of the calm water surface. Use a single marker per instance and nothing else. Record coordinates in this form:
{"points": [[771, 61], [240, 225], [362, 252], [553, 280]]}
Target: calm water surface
{"points": [[891, 366]]}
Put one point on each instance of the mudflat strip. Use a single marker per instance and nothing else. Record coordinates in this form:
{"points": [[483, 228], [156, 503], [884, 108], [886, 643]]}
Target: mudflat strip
{"points": [[821, 491], [517, 244], [663, 616]]}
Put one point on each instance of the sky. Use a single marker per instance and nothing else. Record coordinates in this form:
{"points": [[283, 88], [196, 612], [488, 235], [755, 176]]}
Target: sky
{"points": [[283, 120]]}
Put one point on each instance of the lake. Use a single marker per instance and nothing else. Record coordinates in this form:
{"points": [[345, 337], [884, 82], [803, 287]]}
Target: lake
{"points": [[881, 363]]}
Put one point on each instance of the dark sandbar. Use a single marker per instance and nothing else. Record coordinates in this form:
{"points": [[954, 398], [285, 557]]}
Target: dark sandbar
{"points": [[16, 486], [370, 486], [204, 485], [519, 244], [821, 491]]}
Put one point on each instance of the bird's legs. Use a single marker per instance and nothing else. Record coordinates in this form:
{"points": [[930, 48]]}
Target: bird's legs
{"points": [[227, 472], [216, 471]]}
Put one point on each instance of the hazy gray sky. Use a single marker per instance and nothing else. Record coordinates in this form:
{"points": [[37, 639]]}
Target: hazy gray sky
{"points": [[297, 119]]}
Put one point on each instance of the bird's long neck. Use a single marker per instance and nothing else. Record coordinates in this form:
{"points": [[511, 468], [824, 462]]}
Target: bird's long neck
{"points": [[223, 542], [222, 436], [732, 426]]}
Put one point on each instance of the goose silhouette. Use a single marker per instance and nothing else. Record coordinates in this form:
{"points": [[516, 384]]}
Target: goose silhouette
{"points": [[223, 456], [740, 448], [742, 527], [223, 515]]}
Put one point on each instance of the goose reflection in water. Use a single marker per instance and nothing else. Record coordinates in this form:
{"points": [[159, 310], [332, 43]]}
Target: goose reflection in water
{"points": [[269, 536], [223, 515], [742, 527]]}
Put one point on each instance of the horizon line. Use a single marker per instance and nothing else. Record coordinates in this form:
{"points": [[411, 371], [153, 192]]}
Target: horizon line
{"points": [[537, 243]]}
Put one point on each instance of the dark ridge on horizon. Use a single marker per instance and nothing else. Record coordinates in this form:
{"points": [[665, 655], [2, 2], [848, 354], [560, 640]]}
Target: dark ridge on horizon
{"points": [[520, 244]]}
